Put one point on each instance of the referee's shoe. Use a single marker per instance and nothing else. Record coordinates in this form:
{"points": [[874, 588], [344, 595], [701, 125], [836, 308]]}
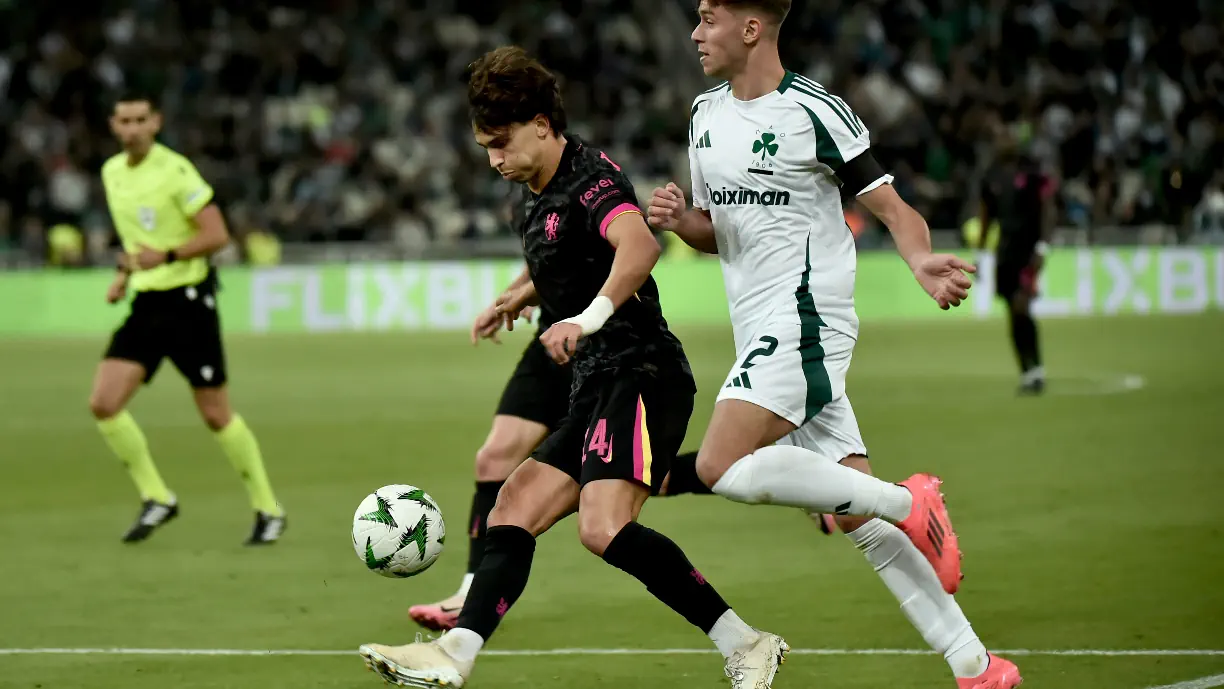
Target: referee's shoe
{"points": [[268, 528], [152, 515]]}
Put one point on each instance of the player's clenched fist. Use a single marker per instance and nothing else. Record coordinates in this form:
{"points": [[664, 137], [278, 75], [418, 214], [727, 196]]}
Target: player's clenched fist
{"points": [[561, 341], [667, 205]]}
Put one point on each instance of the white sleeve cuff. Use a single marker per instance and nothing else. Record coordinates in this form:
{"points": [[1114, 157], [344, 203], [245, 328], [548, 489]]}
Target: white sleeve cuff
{"points": [[886, 179]]}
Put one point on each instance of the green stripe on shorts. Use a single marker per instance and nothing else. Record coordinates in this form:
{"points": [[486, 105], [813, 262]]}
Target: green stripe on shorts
{"points": [[811, 351]]}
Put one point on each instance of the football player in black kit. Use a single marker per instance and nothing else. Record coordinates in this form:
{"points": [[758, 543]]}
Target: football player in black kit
{"points": [[589, 253], [534, 403], [1019, 196]]}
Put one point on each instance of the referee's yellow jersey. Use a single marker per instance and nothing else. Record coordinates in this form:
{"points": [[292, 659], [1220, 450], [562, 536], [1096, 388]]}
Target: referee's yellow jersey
{"points": [[154, 203]]}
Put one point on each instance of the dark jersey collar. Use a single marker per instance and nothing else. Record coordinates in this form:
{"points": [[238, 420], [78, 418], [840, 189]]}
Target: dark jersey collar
{"points": [[572, 145]]}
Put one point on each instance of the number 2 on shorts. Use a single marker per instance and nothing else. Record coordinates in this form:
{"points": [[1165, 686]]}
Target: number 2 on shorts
{"points": [[762, 351]]}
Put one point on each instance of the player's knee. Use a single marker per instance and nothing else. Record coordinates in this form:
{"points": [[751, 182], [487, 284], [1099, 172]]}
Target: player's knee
{"points": [[512, 509], [711, 467], [596, 531], [104, 406], [507, 510], [216, 416], [497, 459], [849, 523]]}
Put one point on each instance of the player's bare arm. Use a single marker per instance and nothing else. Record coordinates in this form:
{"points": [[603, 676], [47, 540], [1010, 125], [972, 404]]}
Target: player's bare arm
{"points": [[637, 252], [669, 211], [211, 237], [941, 275]]}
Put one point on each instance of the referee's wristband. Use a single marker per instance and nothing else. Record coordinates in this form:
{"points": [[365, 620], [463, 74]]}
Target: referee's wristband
{"points": [[595, 316]]}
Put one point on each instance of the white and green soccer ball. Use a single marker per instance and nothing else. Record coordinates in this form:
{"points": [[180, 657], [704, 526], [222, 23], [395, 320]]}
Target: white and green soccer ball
{"points": [[398, 531]]}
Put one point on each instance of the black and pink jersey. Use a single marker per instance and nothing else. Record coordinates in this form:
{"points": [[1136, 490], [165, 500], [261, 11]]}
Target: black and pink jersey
{"points": [[564, 230]]}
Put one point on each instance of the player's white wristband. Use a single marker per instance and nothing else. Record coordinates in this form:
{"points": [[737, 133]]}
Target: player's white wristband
{"points": [[1043, 248], [595, 316]]}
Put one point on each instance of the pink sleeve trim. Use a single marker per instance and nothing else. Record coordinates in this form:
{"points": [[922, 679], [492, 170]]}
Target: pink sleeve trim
{"points": [[614, 214]]}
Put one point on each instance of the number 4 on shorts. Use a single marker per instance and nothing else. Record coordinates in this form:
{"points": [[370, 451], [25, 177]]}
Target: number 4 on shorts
{"points": [[742, 380], [600, 443]]}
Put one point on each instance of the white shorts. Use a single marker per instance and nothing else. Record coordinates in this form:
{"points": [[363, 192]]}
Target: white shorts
{"points": [[795, 366]]}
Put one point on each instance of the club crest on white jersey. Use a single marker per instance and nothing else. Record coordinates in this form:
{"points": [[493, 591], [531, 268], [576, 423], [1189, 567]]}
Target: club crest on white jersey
{"points": [[766, 171]]}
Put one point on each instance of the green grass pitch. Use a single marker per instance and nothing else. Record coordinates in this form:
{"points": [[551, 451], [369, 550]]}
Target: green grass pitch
{"points": [[1091, 519]]}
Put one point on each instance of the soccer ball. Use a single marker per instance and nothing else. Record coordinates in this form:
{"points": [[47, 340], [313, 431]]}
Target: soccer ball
{"points": [[398, 531]]}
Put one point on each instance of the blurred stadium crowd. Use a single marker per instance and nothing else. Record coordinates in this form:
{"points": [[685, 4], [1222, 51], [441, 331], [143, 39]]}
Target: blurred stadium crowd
{"points": [[323, 121]]}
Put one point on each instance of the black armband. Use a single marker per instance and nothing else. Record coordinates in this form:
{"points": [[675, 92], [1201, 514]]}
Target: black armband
{"points": [[860, 172]]}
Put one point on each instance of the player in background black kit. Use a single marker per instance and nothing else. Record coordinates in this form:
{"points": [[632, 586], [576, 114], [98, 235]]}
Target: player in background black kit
{"points": [[1020, 197], [589, 253]]}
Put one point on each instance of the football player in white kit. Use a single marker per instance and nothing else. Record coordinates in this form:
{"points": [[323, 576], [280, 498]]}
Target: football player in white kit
{"points": [[768, 153]]}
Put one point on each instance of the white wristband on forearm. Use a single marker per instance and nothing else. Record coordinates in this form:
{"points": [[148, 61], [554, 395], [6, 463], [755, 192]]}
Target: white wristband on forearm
{"points": [[595, 316]]}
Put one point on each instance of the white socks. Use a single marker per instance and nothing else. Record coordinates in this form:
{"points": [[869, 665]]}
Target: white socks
{"points": [[934, 613], [462, 644], [793, 476], [466, 585], [731, 634]]}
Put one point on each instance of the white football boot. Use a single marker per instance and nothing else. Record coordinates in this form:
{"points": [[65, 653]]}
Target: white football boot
{"points": [[754, 667], [423, 664]]}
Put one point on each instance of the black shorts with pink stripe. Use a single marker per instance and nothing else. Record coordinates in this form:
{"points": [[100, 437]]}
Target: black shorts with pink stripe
{"points": [[628, 426]]}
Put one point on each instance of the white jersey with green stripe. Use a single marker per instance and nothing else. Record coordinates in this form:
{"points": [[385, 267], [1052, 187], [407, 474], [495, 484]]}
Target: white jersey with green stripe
{"points": [[765, 170]]}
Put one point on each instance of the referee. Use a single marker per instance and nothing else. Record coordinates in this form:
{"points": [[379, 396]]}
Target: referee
{"points": [[1020, 197], [168, 223]]}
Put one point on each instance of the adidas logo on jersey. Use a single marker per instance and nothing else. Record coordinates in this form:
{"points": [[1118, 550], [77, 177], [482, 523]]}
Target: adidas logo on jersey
{"points": [[748, 197], [703, 141]]}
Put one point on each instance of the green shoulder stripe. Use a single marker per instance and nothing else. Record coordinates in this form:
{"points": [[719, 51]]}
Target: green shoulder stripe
{"points": [[851, 124], [840, 104], [826, 148]]}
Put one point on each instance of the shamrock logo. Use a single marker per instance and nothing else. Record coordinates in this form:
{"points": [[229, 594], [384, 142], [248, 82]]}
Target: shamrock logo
{"points": [[765, 145]]}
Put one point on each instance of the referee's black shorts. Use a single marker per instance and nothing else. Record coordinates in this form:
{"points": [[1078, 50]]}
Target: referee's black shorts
{"points": [[539, 388], [181, 324]]}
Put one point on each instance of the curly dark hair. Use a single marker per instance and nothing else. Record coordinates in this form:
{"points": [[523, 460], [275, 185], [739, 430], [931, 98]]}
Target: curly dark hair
{"points": [[507, 86], [775, 9]]}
